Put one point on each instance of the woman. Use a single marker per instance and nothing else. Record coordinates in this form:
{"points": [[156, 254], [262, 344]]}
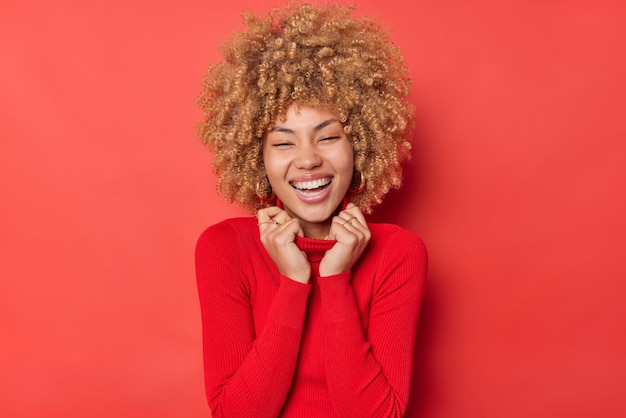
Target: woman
{"points": [[308, 310]]}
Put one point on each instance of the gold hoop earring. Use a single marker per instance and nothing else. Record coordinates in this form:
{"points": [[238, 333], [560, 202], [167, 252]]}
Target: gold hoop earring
{"points": [[356, 188], [267, 194]]}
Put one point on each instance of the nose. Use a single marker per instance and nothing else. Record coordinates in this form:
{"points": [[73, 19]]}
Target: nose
{"points": [[307, 157]]}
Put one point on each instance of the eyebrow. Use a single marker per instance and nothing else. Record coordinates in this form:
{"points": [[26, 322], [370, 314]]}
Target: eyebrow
{"points": [[315, 129]]}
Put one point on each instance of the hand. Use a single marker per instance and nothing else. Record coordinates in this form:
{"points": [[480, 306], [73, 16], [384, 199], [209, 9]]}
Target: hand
{"points": [[350, 231], [278, 234]]}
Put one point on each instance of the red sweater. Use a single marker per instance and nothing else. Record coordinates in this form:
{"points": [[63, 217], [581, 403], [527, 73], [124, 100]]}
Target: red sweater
{"points": [[340, 346]]}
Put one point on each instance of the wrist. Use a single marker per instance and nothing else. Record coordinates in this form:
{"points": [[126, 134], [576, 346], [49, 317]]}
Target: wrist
{"points": [[330, 271], [302, 277]]}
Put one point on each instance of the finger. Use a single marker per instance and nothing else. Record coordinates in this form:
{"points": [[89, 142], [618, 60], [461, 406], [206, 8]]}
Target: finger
{"points": [[341, 228], [342, 223], [351, 222], [282, 234], [353, 211], [270, 222], [352, 227], [292, 226], [281, 217], [346, 218], [265, 214], [299, 230]]}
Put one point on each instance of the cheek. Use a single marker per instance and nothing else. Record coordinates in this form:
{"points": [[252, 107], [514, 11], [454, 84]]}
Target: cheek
{"points": [[344, 159], [274, 167]]}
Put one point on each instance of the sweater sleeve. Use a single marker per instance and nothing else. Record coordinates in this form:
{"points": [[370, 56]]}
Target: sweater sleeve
{"points": [[370, 374], [245, 375]]}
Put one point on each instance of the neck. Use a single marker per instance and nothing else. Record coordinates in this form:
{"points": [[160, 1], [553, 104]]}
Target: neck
{"points": [[315, 230]]}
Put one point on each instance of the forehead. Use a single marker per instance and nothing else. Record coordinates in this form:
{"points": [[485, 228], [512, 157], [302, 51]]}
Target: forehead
{"points": [[303, 116]]}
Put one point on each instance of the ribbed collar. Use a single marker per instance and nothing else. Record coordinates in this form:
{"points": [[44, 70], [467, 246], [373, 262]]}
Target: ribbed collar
{"points": [[314, 248]]}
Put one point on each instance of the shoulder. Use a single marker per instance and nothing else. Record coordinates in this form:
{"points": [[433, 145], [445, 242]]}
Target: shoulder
{"points": [[400, 256], [228, 233], [395, 239], [221, 253], [229, 228]]}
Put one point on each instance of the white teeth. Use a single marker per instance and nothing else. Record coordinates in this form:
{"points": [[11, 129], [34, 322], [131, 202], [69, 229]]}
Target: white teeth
{"points": [[309, 185]]}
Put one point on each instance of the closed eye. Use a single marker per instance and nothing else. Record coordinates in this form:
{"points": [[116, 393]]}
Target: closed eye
{"points": [[329, 138]]}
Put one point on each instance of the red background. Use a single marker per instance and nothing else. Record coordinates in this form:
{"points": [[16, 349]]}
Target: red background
{"points": [[517, 188]]}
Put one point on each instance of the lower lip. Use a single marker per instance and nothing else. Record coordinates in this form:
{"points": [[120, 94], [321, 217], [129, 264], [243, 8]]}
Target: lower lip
{"points": [[314, 198]]}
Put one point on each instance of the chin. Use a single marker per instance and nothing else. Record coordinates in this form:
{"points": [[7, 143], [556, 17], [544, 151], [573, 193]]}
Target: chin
{"points": [[317, 215]]}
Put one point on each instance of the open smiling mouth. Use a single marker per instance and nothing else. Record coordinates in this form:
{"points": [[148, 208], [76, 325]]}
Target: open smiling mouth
{"points": [[313, 187]]}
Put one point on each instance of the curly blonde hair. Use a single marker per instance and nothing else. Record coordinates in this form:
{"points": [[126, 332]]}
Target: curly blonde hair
{"points": [[318, 56]]}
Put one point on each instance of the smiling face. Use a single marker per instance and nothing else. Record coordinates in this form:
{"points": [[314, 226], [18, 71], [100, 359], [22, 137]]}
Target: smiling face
{"points": [[309, 162]]}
